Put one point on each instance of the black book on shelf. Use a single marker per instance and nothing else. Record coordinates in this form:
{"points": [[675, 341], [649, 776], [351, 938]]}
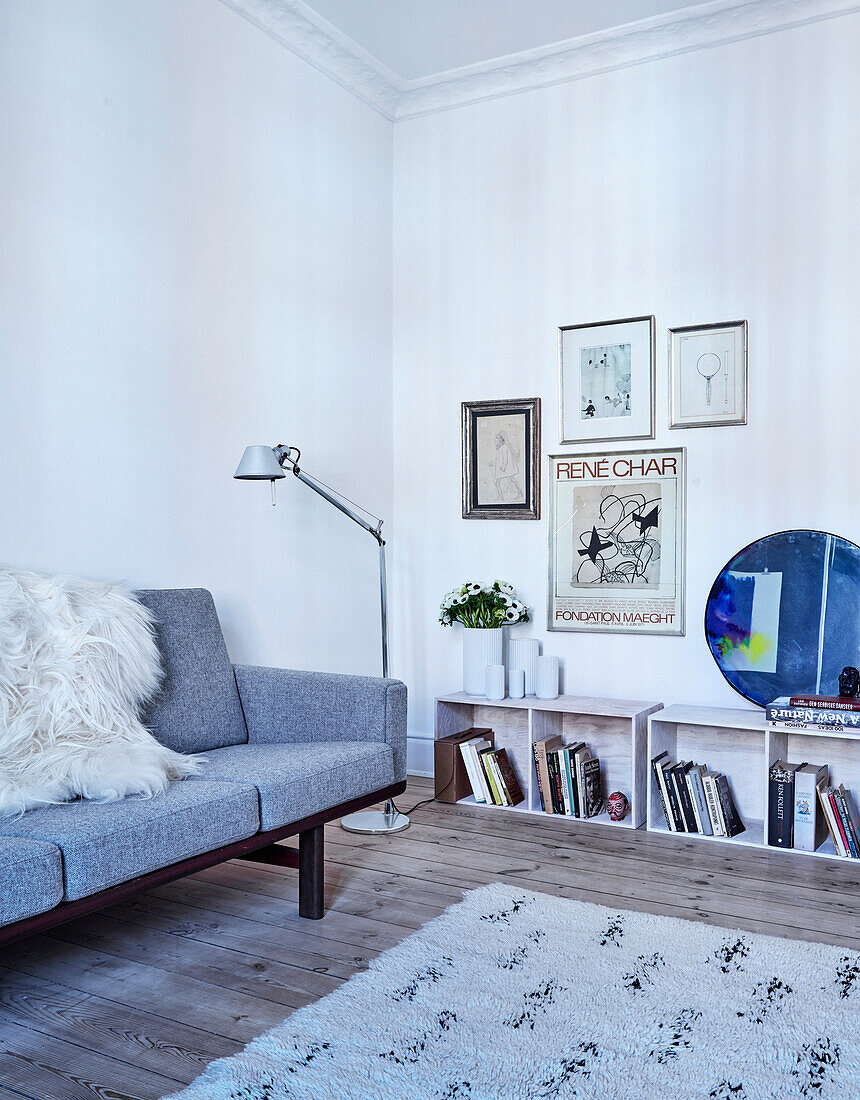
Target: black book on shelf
{"points": [[574, 781], [672, 793], [780, 813], [555, 795], [734, 825], [679, 775], [592, 799]]}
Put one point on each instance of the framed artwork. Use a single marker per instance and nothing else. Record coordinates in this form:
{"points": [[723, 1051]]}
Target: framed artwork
{"points": [[606, 381], [501, 459], [616, 542], [708, 375]]}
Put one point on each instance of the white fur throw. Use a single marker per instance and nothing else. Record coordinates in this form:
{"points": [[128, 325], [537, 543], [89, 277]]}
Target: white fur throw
{"points": [[77, 661]]}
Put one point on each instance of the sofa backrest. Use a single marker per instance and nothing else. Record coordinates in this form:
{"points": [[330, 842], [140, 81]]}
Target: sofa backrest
{"points": [[198, 707]]}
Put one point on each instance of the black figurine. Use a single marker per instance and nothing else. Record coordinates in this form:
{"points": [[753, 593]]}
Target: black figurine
{"points": [[849, 682]]}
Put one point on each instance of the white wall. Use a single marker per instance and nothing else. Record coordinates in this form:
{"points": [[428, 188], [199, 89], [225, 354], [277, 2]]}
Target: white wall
{"points": [[196, 255], [716, 185]]}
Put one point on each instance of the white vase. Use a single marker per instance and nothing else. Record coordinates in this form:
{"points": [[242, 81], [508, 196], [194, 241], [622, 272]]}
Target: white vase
{"points": [[547, 678], [480, 648], [516, 683], [494, 680], [524, 654]]}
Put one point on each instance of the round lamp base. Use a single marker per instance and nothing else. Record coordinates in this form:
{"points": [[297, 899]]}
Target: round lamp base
{"points": [[375, 821]]}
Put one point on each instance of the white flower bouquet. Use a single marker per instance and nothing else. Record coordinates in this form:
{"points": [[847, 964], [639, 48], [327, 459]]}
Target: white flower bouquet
{"points": [[483, 606]]}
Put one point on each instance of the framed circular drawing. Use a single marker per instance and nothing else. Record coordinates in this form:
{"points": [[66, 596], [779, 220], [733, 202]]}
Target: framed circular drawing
{"points": [[783, 616]]}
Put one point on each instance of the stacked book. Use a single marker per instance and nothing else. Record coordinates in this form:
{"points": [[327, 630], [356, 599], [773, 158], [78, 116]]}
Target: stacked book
{"points": [[834, 713], [804, 807], [493, 779], [568, 778], [694, 799]]}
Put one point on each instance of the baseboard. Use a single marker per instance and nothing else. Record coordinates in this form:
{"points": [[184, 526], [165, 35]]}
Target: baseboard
{"points": [[419, 756]]}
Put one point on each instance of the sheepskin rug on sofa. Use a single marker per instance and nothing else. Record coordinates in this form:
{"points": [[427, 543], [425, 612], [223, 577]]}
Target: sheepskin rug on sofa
{"points": [[77, 662]]}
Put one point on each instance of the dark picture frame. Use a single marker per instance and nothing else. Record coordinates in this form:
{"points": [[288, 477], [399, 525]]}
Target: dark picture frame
{"points": [[501, 459]]}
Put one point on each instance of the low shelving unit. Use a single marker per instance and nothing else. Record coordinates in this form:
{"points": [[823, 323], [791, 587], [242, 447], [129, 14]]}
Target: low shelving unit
{"points": [[615, 730], [742, 745]]}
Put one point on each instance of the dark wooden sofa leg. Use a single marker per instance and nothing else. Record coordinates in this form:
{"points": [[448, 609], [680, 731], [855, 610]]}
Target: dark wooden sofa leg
{"points": [[311, 873]]}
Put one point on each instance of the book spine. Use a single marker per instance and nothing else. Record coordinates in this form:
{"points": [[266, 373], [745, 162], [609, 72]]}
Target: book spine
{"points": [[569, 772], [680, 774], [674, 802], [813, 715], [509, 778], [491, 779], [543, 771], [805, 812], [840, 828], [536, 755], [565, 788], [478, 766], [732, 818], [844, 824], [823, 727], [780, 818], [552, 768], [664, 802], [714, 812], [467, 760], [824, 702], [694, 777], [500, 779], [824, 800]]}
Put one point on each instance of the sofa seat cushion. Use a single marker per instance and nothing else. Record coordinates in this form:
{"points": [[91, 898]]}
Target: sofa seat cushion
{"points": [[105, 843], [31, 878], [298, 779]]}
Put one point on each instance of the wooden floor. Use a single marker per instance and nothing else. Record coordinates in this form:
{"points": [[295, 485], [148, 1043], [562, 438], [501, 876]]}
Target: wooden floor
{"points": [[135, 1001]]}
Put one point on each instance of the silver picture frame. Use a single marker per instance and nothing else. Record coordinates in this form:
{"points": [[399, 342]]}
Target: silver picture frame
{"points": [[712, 398], [574, 426], [501, 459]]}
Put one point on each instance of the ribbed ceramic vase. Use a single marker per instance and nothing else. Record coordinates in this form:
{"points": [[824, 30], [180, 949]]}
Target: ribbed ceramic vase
{"points": [[480, 648], [523, 653]]}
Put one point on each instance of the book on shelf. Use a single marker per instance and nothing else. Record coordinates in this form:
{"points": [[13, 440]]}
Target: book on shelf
{"points": [[782, 715], [825, 702], [474, 768], [540, 750], [657, 764], [700, 804], [780, 814], [592, 799], [565, 781], [495, 794], [731, 818], [570, 771], [848, 824], [694, 799], [830, 818], [555, 782], [579, 757], [810, 828], [508, 778]]}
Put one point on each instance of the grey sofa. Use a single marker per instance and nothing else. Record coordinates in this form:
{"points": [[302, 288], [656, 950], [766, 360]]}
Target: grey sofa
{"points": [[285, 753]]}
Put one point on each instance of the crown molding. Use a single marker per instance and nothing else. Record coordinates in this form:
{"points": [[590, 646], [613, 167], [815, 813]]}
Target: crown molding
{"points": [[298, 27]]}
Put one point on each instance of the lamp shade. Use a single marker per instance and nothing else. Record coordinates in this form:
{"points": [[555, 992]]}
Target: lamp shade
{"points": [[259, 464]]}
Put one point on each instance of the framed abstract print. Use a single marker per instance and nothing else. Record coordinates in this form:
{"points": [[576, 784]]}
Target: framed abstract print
{"points": [[616, 542], [501, 459], [606, 381], [708, 375]]}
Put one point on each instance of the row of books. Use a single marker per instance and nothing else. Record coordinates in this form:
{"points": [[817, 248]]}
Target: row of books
{"points": [[491, 775], [568, 778], [804, 808], [805, 712], [694, 799]]}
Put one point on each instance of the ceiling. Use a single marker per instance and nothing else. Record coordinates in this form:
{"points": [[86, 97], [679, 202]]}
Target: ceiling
{"points": [[416, 39]]}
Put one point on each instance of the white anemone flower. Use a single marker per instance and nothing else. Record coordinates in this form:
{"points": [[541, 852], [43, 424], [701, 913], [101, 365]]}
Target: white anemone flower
{"points": [[475, 588], [511, 615]]}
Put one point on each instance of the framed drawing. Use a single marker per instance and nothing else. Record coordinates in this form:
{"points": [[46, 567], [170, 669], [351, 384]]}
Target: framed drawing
{"points": [[606, 381], [708, 375], [501, 459], [616, 542]]}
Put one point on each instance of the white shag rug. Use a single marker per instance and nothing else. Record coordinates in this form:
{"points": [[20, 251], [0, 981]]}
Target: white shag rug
{"points": [[77, 661], [519, 996]]}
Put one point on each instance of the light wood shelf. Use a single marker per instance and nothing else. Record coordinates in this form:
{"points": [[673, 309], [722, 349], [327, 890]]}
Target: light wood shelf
{"points": [[614, 729], [743, 745]]}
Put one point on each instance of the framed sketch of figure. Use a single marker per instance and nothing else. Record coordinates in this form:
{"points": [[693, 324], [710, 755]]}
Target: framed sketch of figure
{"points": [[708, 375], [501, 459], [606, 381]]}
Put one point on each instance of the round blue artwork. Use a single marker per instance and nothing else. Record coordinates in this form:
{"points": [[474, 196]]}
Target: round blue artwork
{"points": [[783, 616]]}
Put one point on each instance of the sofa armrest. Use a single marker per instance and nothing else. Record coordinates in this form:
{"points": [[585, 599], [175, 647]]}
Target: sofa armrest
{"points": [[284, 705]]}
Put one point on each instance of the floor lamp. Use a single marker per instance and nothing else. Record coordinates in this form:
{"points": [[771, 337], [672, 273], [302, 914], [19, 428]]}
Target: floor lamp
{"points": [[268, 464]]}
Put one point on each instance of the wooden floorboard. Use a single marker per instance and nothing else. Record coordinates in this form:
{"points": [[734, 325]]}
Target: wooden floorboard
{"points": [[134, 1001]]}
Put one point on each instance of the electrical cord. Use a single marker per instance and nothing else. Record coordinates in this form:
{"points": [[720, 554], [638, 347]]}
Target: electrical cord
{"points": [[425, 801]]}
